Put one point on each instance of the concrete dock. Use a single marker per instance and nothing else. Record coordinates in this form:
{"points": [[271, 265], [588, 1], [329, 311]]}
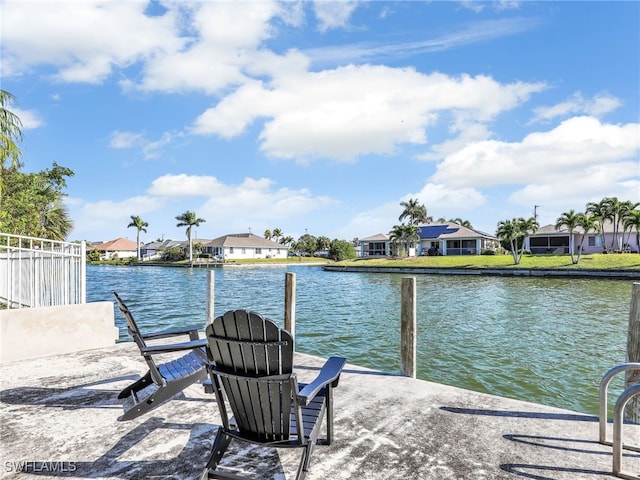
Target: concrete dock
{"points": [[59, 418]]}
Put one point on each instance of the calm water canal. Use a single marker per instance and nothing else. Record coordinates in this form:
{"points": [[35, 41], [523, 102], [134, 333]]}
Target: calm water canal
{"points": [[543, 340]]}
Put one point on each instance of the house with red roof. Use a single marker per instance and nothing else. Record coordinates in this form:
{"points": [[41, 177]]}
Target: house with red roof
{"points": [[118, 248]]}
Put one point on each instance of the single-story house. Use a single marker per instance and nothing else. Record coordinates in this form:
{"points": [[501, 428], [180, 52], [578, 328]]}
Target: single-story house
{"points": [[377, 245], [449, 238], [154, 250], [435, 239], [549, 240], [118, 248], [238, 246]]}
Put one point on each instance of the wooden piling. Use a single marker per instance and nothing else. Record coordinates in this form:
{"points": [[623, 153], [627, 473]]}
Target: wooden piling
{"points": [[290, 303], [408, 327], [210, 296], [632, 377]]}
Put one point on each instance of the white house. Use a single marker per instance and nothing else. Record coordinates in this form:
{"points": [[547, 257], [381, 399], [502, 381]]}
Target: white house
{"points": [[549, 240], [239, 246], [118, 248]]}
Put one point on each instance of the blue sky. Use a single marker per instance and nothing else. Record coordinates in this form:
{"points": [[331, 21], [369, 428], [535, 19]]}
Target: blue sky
{"points": [[321, 117]]}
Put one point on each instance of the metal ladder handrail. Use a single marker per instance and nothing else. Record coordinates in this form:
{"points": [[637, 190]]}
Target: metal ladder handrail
{"points": [[618, 423], [604, 385], [618, 420]]}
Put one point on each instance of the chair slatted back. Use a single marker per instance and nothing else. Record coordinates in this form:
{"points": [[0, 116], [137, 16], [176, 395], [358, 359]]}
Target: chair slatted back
{"points": [[134, 331], [254, 360]]}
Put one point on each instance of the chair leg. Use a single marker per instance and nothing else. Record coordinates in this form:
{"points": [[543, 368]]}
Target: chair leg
{"points": [[303, 468], [135, 386], [220, 445]]}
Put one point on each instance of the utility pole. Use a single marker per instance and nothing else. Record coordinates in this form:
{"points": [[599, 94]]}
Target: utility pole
{"points": [[535, 212]]}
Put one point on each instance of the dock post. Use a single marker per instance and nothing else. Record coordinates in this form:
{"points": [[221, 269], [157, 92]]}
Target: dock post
{"points": [[408, 327], [210, 296], [290, 303], [632, 412]]}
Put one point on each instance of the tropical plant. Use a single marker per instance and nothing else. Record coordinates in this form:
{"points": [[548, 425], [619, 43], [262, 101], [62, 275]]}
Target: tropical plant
{"points": [[32, 203], [189, 219], [10, 134], [268, 234], [632, 221], [276, 234], [404, 236], [571, 220], [341, 250], [414, 211], [461, 222], [514, 232], [307, 244], [323, 242], [287, 241], [141, 226], [588, 223]]}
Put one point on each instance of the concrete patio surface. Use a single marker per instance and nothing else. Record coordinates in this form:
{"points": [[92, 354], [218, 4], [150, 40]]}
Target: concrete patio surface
{"points": [[59, 418]]}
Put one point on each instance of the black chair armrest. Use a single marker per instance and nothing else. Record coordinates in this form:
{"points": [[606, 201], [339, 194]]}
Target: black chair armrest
{"points": [[329, 374], [174, 347], [172, 332]]}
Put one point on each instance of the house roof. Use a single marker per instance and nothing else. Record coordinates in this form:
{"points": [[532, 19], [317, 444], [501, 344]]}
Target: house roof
{"points": [[244, 240], [119, 244], [449, 230], [551, 230], [378, 237]]}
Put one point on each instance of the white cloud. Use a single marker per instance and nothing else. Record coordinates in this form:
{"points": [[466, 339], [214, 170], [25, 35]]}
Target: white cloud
{"points": [[185, 185], [578, 105], [83, 40], [330, 114], [541, 157], [333, 14], [30, 120], [150, 149], [125, 139]]}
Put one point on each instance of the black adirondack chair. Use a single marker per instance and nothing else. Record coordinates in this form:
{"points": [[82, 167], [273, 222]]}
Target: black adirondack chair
{"points": [[163, 380], [251, 365]]}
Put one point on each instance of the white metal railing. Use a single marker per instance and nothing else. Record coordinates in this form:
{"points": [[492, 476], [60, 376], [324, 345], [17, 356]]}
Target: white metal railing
{"points": [[36, 272]]}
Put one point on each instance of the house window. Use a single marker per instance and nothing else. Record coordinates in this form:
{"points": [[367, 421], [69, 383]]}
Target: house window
{"points": [[230, 250], [258, 251], [594, 240], [243, 251]]}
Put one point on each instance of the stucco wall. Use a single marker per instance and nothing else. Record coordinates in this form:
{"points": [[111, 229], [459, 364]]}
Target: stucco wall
{"points": [[39, 332]]}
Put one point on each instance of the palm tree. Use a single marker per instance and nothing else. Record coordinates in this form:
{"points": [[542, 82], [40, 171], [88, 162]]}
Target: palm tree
{"points": [[600, 212], [507, 232], [277, 233], [287, 241], [267, 234], [571, 220], [628, 211], [631, 221], [188, 219], [141, 226], [461, 222], [10, 133], [56, 223], [404, 235], [414, 211], [588, 224]]}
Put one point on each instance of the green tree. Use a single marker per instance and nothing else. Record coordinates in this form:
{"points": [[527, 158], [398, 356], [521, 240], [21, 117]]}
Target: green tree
{"points": [[189, 219], [287, 241], [514, 232], [341, 250], [414, 211], [323, 242], [141, 226], [31, 203], [600, 212], [461, 222], [404, 236], [268, 234], [307, 244], [10, 134], [632, 221], [588, 223], [571, 220], [276, 234]]}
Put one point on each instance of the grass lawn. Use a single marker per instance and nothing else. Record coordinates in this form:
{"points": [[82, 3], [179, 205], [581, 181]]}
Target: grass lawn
{"points": [[622, 261]]}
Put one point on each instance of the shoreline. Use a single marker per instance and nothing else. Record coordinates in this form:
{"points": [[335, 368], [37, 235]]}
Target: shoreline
{"points": [[504, 272]]}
